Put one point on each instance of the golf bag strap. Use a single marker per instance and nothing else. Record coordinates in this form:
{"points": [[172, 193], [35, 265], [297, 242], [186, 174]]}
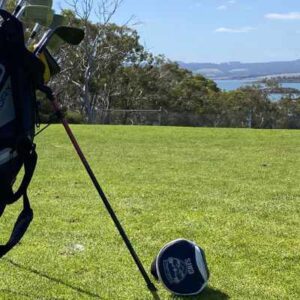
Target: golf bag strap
{"points": [[20, 227], [30, 160], [26, 214]]}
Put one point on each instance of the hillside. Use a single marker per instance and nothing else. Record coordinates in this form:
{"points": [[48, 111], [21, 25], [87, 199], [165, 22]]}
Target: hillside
{"points": [[238, 70]]}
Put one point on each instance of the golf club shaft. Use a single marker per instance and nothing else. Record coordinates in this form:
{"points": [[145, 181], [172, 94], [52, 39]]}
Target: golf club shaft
{"points": [[33, 34], [136, 259], [19, 12], [3, 4], [18, 7]]}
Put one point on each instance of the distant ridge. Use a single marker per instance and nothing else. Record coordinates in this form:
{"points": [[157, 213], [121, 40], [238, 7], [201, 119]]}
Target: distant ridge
{"points": [[239, 70]]}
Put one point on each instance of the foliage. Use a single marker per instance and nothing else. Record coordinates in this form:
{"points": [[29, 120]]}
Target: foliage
{"points": [[74, 117], [121, 74], [289, 113], [111, 70], [91, 81]]}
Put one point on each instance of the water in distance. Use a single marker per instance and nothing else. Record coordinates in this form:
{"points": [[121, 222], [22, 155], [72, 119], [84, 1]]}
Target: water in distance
{"points": [[231, 85]]}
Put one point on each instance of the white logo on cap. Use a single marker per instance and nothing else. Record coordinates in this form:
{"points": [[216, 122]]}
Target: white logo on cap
{"points": [[176, 270]]}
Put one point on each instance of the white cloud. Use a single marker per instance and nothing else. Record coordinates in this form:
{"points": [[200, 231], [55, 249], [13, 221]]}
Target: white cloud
{"points": [[197, 4], [288, 16], [235, 30], [227, 5], [222, 7]]}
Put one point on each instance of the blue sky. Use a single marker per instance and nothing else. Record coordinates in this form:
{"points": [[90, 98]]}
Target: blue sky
{"points": [[217, 30]]}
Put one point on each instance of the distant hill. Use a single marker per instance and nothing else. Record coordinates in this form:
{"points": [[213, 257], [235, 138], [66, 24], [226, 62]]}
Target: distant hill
{"points": [[238, 70]]}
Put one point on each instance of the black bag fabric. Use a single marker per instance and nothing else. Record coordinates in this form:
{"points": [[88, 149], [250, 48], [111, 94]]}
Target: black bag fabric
{"points": [[21, 73], [181, 267]]}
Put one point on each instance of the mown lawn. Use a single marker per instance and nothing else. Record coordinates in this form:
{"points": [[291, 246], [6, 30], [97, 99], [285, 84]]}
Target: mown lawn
{"points": [[235, 192]]}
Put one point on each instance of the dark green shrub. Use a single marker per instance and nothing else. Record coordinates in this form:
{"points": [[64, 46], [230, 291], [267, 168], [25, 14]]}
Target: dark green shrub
{"points": [[74, 117]]}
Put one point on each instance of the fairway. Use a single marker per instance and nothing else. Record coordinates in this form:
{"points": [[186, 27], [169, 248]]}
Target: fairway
{"points": [[235, 192]]}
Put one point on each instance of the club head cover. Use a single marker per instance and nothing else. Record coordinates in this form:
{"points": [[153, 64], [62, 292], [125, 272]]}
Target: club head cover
{"points": [[181, 267]]}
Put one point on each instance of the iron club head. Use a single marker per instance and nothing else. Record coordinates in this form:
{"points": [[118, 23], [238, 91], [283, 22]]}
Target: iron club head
{"points": [[47, 3], [36, 13], [69, 35]]}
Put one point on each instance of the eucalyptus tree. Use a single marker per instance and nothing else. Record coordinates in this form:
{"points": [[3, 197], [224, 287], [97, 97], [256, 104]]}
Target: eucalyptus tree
{"points": [[106, 47]]}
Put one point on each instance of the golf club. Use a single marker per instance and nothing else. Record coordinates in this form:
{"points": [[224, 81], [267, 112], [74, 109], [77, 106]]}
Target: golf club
{"points": [[22, 3], [55, 42], [37, 27], [57, 20], [18, 7], [3, 4], [47, 3], [70, 35], [151, 287], [74, 36], [41, 15], [36, 13]]}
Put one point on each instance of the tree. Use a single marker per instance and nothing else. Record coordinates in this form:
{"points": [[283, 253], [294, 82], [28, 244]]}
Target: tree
{"points": [[289, 113], [105, 47]]}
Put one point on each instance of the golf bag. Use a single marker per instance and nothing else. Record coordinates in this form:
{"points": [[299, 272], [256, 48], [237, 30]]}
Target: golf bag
{"points": [[20, 75]]}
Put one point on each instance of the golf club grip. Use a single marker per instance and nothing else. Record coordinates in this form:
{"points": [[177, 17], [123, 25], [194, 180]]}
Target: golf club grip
{"points": [[136, 259]]}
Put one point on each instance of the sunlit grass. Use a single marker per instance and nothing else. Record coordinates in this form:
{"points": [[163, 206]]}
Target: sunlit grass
{"points": [[235, 192]]}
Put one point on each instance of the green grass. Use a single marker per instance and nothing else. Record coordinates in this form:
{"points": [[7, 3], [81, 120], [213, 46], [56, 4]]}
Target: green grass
{"points": [[235, 192]]}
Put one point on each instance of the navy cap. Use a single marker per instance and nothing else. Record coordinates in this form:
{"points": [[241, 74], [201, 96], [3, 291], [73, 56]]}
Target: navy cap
{"points": [[181, 267]]}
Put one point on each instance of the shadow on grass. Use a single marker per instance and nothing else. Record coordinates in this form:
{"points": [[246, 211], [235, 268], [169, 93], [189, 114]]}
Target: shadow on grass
{"points": [[17, 295], [53, 279], [207, 294]]}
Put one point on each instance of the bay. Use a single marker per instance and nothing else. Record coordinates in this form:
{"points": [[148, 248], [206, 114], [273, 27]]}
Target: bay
{"points": [[231, 85]]}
